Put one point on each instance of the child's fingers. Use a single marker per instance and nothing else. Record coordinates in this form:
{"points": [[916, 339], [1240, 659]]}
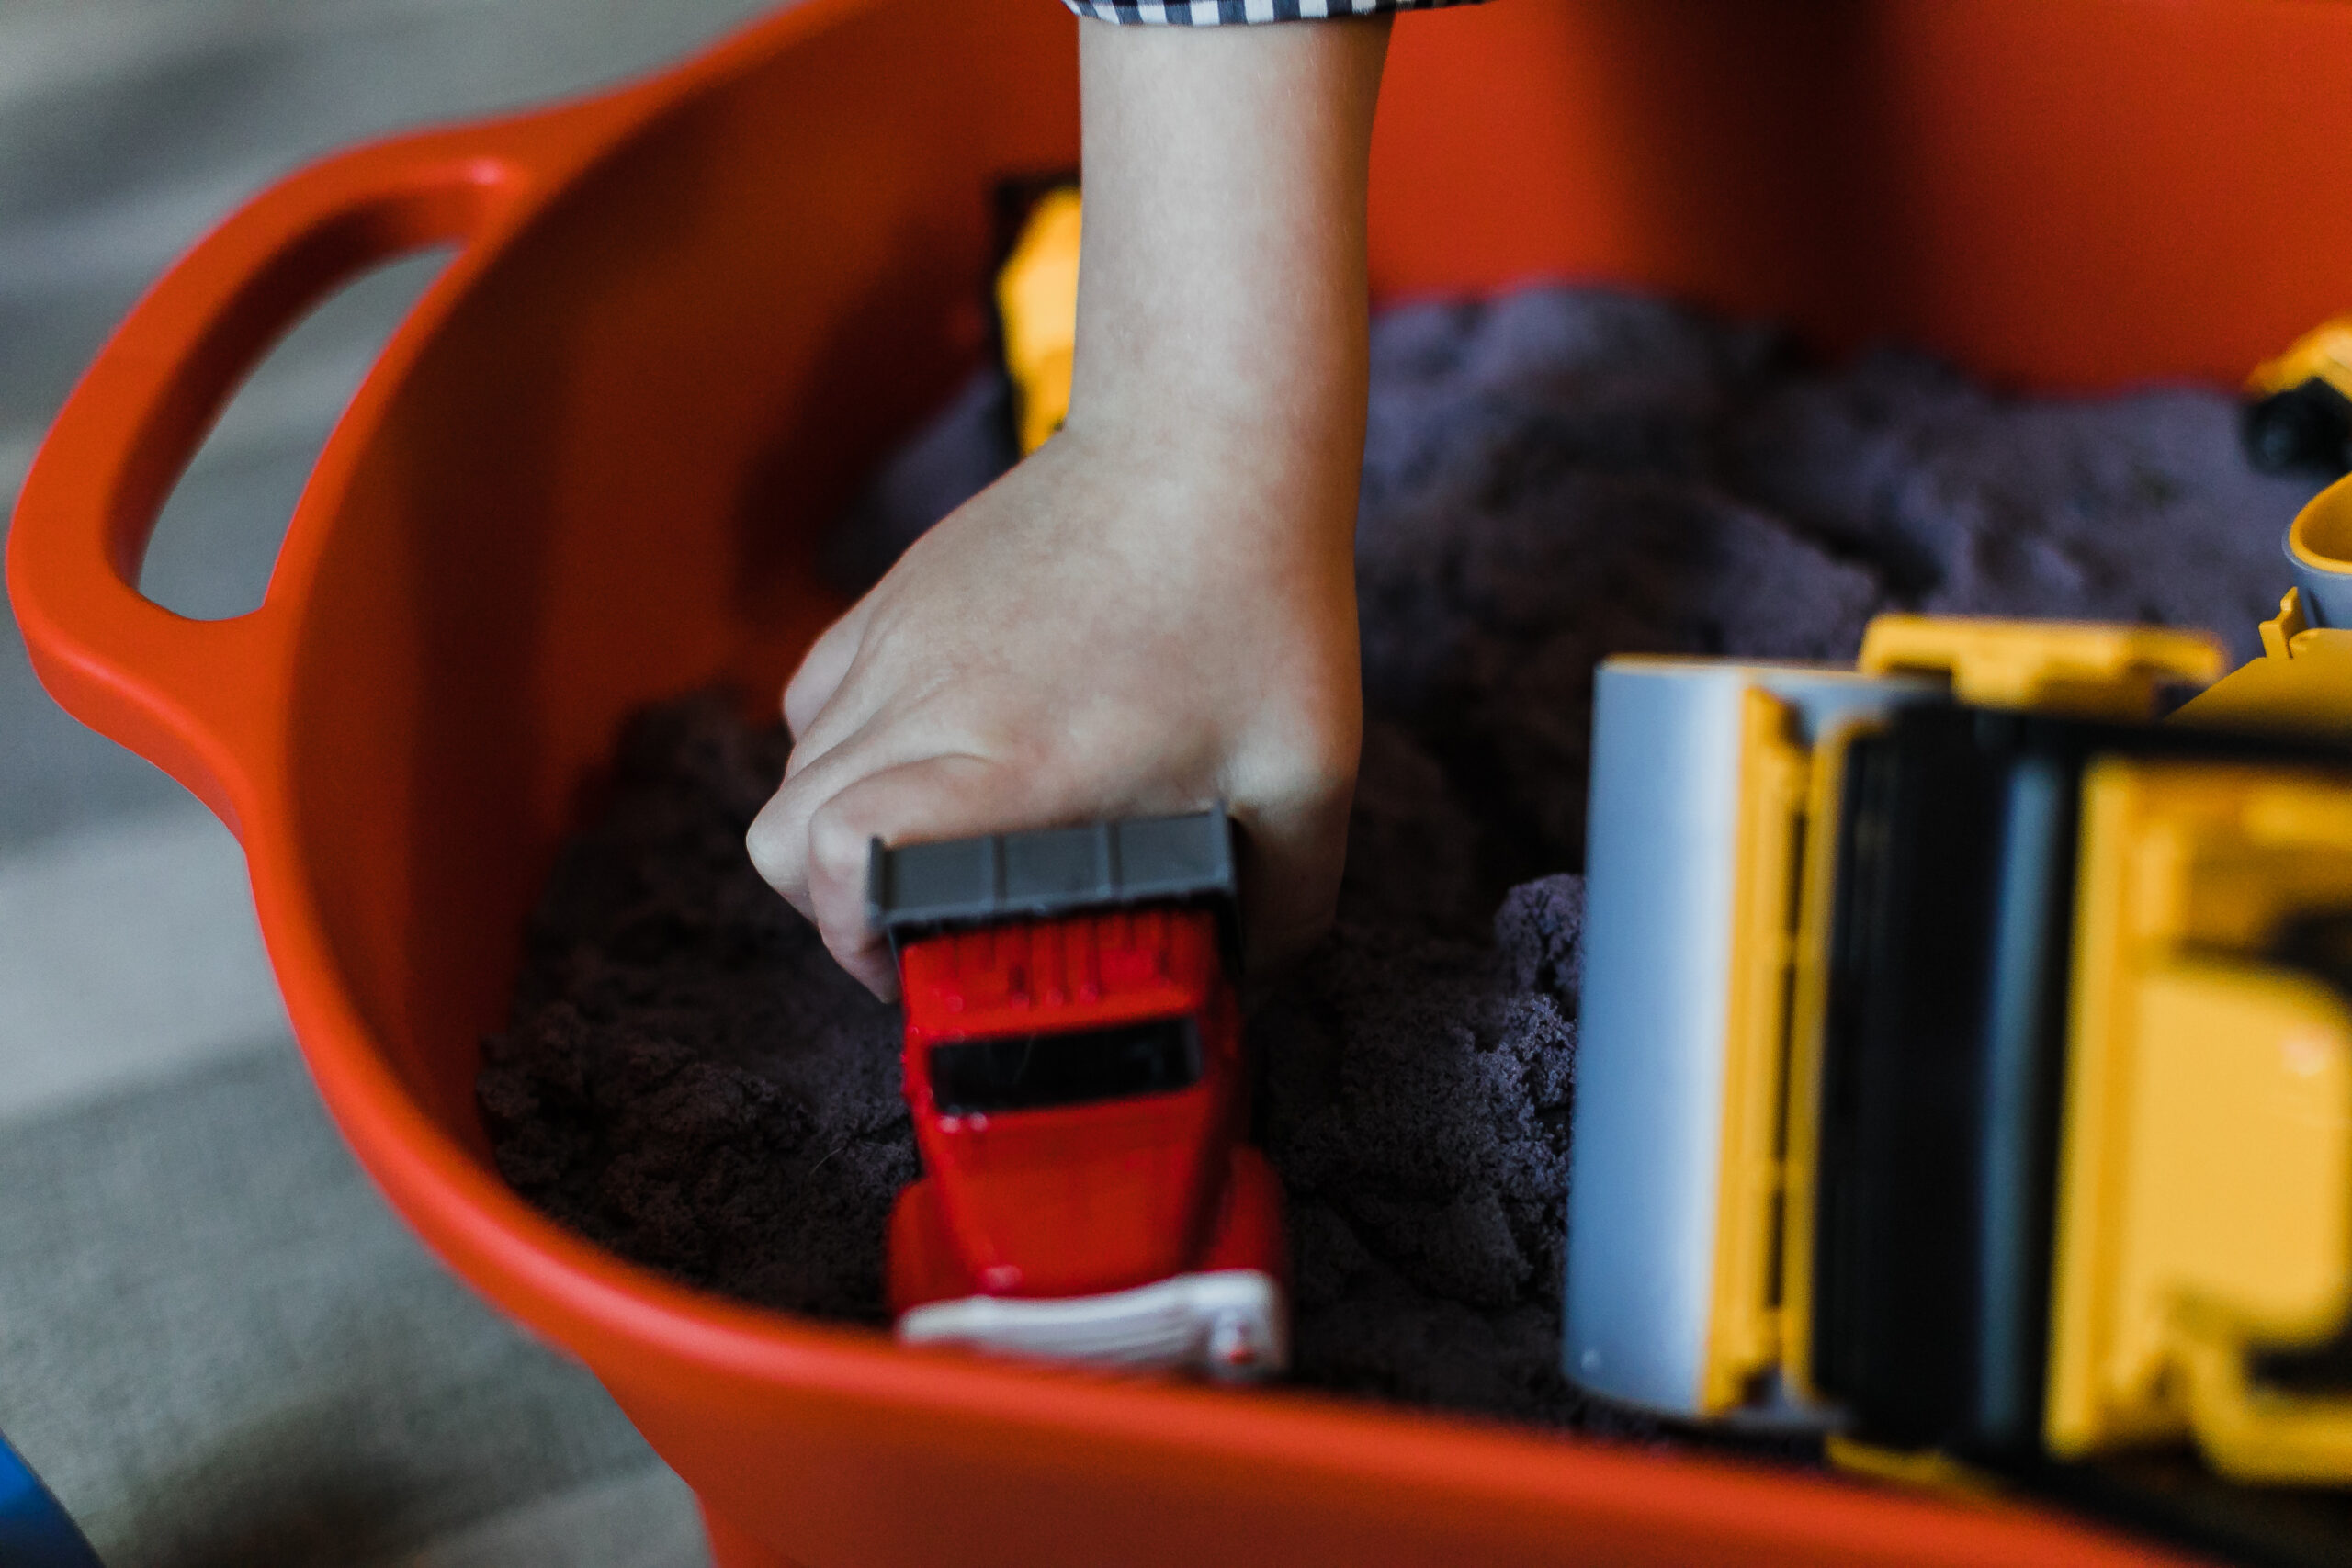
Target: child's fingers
{"points": [[778, 838], [938, 798], [847, 720], [823, 668], [809, 843]]}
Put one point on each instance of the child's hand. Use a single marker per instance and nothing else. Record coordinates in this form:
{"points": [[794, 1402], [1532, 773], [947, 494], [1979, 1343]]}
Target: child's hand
{"points": [[1102, 634], [1157, 610]]}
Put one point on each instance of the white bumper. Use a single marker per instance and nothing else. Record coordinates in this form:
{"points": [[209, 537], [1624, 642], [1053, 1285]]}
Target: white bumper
{"points": [[1232, 1323]]}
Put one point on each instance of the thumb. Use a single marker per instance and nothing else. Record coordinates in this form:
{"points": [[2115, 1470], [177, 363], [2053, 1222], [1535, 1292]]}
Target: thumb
{"points": [[822, 669]]}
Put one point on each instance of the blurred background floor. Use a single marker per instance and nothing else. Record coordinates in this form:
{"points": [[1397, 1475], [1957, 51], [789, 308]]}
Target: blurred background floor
{"points": [[216, 1343]]}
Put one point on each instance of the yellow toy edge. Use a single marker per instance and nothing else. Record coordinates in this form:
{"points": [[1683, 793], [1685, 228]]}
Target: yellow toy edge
{"points": [[1918, 1470], [1808, 1015], [2324, 354], [1036, 299], [2249, 1433], [2086, 1176], [1743, 1338]]}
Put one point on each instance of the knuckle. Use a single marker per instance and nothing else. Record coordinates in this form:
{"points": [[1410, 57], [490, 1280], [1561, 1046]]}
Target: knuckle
{"points": [[822, 672], [838, 840], [798, 709], [804, 702], [778, 842], [771, 852]]}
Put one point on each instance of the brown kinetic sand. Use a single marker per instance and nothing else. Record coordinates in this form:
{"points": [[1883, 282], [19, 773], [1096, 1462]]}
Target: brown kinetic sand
{"points": [[1550, 476]]}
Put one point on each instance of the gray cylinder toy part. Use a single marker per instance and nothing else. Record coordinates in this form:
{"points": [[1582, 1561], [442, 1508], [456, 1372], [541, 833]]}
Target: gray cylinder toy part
{"points": [[1646, 1145]]}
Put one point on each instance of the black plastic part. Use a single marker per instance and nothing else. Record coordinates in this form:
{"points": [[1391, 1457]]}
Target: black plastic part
{"points": [[1076, 1067], [2305, 427], [2170, 1495], [918, 890], [1943, 1061], [1941, 1076]]}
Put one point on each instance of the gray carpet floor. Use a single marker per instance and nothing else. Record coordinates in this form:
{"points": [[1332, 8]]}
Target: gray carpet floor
{"points": [[222, 1352], [215, 1341]]}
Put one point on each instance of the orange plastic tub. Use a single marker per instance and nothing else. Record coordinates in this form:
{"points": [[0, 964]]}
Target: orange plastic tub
{"points": [[687, 315]]}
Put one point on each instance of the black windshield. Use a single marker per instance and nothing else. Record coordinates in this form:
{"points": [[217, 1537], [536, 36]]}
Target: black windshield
{"points": [[1031, 1072]]}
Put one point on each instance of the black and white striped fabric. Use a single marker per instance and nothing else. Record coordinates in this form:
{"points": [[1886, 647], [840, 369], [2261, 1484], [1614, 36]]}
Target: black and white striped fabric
{"points": [[1215, 13]]}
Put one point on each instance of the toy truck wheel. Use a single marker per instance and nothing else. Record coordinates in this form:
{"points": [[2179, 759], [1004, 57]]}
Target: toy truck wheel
{"points": [[924, 1267], [2303, 427]]}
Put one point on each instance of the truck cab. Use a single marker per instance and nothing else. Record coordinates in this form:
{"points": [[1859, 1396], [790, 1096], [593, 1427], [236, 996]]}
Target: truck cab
{"points": [[1075, 1069]]}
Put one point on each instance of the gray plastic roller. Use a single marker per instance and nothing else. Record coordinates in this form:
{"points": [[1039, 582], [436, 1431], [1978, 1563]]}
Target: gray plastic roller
{"points": [[1646, 1138]]}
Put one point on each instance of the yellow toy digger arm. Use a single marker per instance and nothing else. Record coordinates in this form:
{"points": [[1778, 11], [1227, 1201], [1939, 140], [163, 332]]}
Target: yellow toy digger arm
{"points": [[2299, 408], [1037, 302]]}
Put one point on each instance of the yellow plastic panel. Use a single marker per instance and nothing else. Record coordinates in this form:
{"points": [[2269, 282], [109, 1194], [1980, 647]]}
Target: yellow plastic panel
{"points": [[2301, 685], [2089, 670], [2205, 1186], [1743, 1338], [2056, 666], [2324, 354], [1036, 299]]}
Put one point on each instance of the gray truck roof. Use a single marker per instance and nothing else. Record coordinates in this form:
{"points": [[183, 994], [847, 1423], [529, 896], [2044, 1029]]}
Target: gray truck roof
{"points": [[915, 889]]}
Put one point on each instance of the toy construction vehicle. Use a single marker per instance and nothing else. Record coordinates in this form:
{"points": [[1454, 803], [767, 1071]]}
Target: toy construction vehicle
{"points": [[1075, 1067], [1036, 308], [2299, 406], [1966, 1058]]}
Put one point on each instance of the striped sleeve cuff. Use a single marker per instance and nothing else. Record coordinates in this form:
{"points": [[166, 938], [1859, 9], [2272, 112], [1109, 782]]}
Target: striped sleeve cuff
{"points": [[1214, 13]]}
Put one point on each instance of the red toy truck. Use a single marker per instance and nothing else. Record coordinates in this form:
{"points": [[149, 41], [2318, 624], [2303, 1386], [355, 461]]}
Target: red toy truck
{"points": [[1075, 1066]]}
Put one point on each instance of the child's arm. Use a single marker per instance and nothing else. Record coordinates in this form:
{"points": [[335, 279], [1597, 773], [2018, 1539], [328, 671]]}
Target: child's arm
{"points": [[1157, 609]]}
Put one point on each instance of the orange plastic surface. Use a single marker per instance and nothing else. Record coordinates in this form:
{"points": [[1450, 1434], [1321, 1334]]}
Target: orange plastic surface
{"points": [[684, 318]]}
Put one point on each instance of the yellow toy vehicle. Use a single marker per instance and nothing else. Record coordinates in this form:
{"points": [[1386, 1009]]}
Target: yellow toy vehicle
{"points": [[1966, 1057], [2299, 408], [1036, 312]]}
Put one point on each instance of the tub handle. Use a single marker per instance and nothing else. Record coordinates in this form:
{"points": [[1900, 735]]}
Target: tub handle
{"points": [[204, 699]]}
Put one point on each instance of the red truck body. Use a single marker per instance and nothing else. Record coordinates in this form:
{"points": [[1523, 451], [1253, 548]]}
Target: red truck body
{"points": [[1079, 1095]]}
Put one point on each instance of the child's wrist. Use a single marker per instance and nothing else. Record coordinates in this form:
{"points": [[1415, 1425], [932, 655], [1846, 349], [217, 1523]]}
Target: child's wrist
{"points": [[1274, 409], [1215, 467]]}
